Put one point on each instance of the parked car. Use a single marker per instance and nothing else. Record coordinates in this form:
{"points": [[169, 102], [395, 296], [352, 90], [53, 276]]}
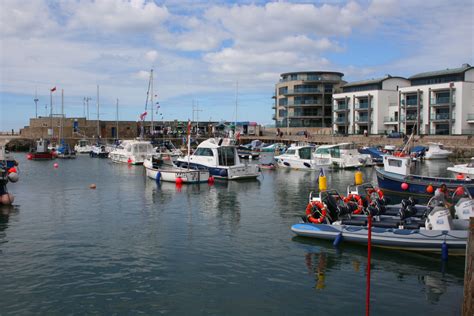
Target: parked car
{"points": [[396, 135]]}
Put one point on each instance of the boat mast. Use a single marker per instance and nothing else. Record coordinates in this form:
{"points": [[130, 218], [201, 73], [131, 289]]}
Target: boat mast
{"points": [[116, 121], [98, 124], [151, 102], [61, 124], [236, 104], [51, 112], [36, 102]]}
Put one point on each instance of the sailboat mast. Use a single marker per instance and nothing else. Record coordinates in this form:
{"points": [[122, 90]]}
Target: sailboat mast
{"points": [[62, 116], [98, 107], [36, 102], [236, 104], [51, 112], [116, 122], [151, 101]]}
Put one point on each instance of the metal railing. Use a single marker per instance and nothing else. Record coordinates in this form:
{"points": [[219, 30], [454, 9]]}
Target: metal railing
{"points": [[340, 120], [442, 101], [390, 119], [364, 105], [441, 117], [340, 107], [470, 117]]}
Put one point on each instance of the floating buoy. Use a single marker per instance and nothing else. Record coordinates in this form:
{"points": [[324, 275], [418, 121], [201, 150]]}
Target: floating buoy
{"points": [[404, 186], [210, 180], [29, 156], [358, 178], [158, 176], [129, 161], [92, 186], [56, 165], [429, 189], [179, 181], [7, 199], [13, 177], [459, 191], [338, 240], [323, 183], [460, 176]]}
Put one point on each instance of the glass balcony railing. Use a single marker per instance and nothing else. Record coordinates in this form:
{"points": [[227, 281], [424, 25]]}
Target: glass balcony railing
{"points": [[362, 105], [442, 101], [441, 117], [410, 117], [362, 119], [387, 119], [340, 107], [340, 120], [470, 117]]}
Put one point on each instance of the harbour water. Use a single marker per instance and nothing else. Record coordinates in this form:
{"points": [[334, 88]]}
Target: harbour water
{"points": [[134, 246]]}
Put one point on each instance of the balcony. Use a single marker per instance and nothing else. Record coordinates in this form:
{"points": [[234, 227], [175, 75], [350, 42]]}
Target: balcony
{"points": [[441, 117], [362, 120], [362, 106], [470, 118], [341, 107], [274, 107], [411, 103], [301, 91], [305, 103], [410, 117], [341, 121], [274, 117], [388, 120], [442, 101]]}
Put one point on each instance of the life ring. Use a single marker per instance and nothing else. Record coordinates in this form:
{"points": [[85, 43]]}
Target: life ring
{"points": [[376, 190], [322, 211], [358, 199]]}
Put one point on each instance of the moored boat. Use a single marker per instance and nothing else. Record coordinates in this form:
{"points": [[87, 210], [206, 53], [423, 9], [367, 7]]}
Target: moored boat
{"points": [[41, 151], [464, 169], [65, 152], [132, 152], [6, 157], [99, 151], [344, 156], [302, 158], [437, 151], [156, 169], [82, 147]]}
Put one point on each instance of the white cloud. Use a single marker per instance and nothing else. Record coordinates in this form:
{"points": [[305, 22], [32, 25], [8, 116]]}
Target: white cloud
{"points": [[151, 55]]}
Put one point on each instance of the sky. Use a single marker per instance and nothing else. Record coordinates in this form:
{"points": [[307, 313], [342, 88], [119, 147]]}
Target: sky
{"points": [[210, 54]]}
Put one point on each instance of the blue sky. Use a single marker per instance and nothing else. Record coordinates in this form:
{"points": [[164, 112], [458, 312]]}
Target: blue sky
{"points": [[199, 50]]}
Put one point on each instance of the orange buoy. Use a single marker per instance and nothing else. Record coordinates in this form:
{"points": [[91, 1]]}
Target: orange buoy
{"points": [[429, 189], [460, 176], [92, 186], [459, 191]]}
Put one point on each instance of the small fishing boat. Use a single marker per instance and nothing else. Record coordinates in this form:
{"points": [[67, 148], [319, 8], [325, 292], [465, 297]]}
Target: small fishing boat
{"points": [[132, 152], [65, 152], [302, 158], [99, 151], [436, 151], [465, 169], [156, 169], [344, 156], [41, 151], [219, 156], [83, 147], [328, 217], [395, 178]]}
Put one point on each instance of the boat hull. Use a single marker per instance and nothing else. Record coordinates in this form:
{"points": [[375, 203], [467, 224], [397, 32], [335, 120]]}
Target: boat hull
{"points": [[186, 176], [41, 156], [464, 169], [226, 173], [302, 164], [392, 183], [406, 239]]}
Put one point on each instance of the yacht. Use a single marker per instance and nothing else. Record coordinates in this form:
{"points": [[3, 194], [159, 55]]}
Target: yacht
{"points": [[219, 156], [465, 169], [99, 151], [83, 147], [167, 149], [301, 157], [344, 155], [157, 169], [132, 152], [436, 151]]}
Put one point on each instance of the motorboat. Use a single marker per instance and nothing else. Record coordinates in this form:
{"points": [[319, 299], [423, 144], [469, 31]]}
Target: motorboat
{"points": [[99, 151], [132, 152], [395, 177], [6, 157], [83, 147], [374, 152], [41, 151], [276, 148], [436, 151], [167, 148], [344, 155], [65, 152], [156, 169], [302, 157], [464, 169], [328, 217], [247, 153], [219, 156]]}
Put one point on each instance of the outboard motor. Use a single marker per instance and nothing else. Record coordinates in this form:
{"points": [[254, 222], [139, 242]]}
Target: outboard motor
{"points": [[439, 219], [408, 211]]}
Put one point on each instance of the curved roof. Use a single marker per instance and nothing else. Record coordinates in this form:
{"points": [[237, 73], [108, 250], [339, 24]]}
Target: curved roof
{"points": [[447, 71], [371, 81], [313, 72]]}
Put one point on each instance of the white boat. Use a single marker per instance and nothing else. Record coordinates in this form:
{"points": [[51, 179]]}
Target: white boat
{"points": [[301, 157], [83, 147], [219, 156], [465, 169], [436, 151], [167, 148], [343, 155], [99, 151], [132, 152], [155, 169]]}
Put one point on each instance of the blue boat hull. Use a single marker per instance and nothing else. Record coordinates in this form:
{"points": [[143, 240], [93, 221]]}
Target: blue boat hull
{"points": [[391, 183]]}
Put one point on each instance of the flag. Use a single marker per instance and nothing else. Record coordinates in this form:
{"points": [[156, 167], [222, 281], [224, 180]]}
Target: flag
{"points": [[142, 116], [53, 89], [189, 127]]}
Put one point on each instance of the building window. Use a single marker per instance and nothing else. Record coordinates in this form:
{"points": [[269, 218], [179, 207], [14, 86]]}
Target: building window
{"points": [[283, 102], [283, 90]]}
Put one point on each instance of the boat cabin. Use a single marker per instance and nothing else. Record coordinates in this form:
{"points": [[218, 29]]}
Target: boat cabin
{"points": [[398, 165], [304, 152]]}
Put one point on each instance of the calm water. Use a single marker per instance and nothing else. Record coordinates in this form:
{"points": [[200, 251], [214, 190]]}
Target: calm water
{"points": [[133, 246]]}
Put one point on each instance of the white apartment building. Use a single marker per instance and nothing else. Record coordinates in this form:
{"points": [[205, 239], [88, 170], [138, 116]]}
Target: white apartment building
{"points": [[363, 106], [437, 103]]}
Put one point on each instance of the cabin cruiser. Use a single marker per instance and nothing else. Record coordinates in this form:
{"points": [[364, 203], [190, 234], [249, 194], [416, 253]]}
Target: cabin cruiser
{"points": [[329, 217], [436, 151], [301, 157], [344, 155], [219, 156], [167, 149], [157, 169], [99, 151], [132, 152], [83, 147], [465, 169]]}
